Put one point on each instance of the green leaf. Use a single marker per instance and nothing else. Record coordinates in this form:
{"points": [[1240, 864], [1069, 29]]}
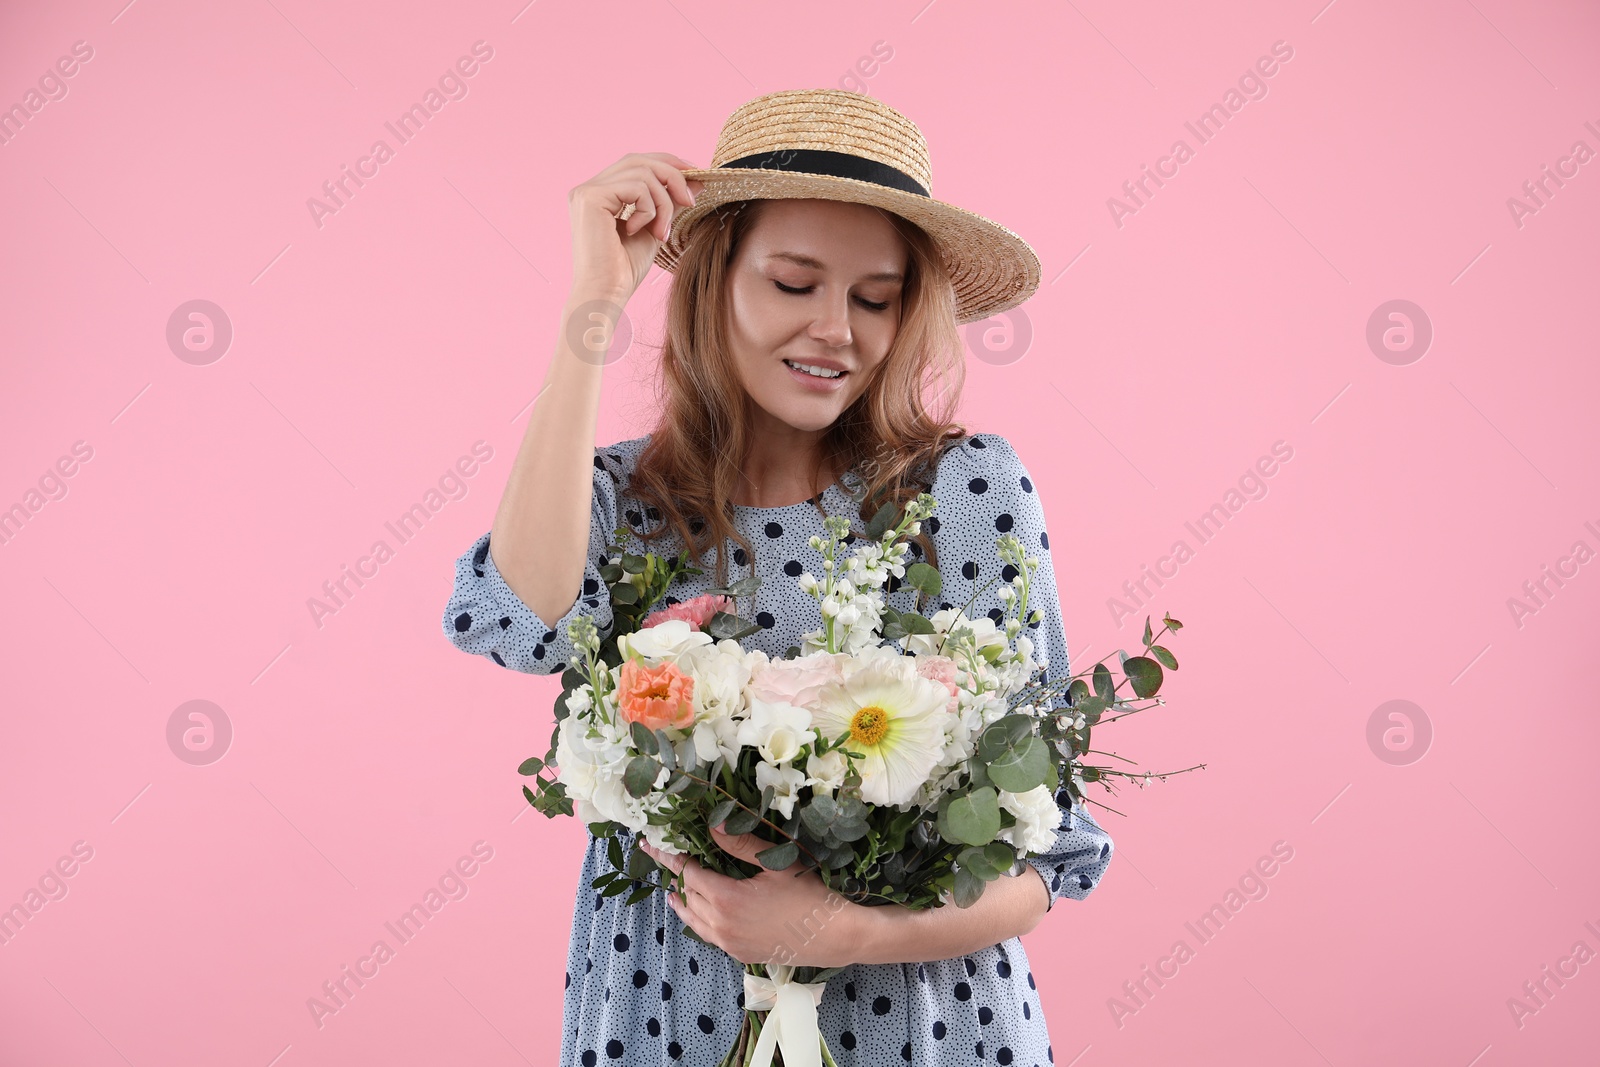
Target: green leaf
{"points": [[603, 880], [639, 894], [818, 814], [640, 775], [913, 623], [720, 811], [614, 852], [999, 736], [972, 819], [640, 864], [882, 521], [633, 564], [643, 739], [1168, 660], [745, 586], [1147, 631], [849, 829], [531, 765], [1022, 767], [976, 860], [1172, 624], [668, 754], [1000, 855], [967, 889], [724, 626], [625, 594], [778, 857], [1104, 687], [1144, 674], [924, 578], [741, 822], [620, 885]]}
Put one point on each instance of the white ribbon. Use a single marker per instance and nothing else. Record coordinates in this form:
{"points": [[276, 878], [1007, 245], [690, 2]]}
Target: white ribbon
{"points": [[792, 1017]]}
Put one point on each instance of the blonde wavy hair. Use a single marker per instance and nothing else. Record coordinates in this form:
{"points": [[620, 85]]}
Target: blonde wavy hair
{"points": [[888, 443]]}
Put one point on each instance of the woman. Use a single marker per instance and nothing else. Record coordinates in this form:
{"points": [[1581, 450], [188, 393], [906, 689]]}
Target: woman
{"points": [[810, 322]]}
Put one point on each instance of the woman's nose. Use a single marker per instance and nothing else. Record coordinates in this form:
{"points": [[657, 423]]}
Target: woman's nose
{"points": [[832, 325]]}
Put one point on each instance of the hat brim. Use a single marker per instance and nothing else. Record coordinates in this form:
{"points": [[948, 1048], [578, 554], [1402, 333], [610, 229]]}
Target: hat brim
{"points": [[991, 268]]}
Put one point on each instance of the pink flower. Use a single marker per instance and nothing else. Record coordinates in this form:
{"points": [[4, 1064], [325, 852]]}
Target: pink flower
{"points": [[696, 612], [941, 669], [655, 696], [796, 681]]}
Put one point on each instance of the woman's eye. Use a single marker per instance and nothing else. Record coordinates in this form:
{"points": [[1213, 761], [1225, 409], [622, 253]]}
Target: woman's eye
{"points": [[869, 305]]}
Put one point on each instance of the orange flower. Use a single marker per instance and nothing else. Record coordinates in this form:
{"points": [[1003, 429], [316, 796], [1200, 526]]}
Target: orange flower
{"points": [[655, 696]]}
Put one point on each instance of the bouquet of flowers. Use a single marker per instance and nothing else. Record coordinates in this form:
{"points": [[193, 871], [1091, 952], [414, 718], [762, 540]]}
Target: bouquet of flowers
{"points": [[904, 757]]}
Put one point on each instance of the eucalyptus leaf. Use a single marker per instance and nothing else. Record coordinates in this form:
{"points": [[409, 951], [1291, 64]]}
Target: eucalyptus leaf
{"points": [[531, 765], [778, 857], [1024, 766], [882, 521], [643, 739], [1104, 687], [720, 811], [922, 577], [972, 819], [968, 888], [1144, 674], [741, 822], [640, 776]]}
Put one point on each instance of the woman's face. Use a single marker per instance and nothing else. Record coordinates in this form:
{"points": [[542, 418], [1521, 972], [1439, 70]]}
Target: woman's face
{"points": [[814, 282]]}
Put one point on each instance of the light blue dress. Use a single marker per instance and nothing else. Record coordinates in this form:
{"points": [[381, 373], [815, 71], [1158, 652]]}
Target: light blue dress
{"points": [[638, 992]]}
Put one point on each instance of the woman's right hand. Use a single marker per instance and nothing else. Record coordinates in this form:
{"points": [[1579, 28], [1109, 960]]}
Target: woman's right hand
{"points": [[612, 256]]}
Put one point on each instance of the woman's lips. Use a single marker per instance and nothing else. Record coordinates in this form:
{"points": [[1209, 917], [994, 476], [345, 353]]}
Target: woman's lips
{"points": [[821, 385]]}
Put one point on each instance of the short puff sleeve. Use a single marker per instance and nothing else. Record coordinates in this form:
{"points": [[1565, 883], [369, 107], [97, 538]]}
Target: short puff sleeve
{"points": [[485, 616], [984, 491]]}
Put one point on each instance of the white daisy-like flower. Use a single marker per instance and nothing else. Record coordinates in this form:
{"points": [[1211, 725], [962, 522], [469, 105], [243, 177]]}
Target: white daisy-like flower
{"points": [[895, 721]]}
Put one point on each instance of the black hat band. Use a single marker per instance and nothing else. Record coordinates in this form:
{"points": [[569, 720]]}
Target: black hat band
{"points": [[832, 164]]}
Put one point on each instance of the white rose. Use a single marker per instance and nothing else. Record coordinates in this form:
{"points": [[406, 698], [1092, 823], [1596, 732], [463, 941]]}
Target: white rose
{"points": [[665, 641]]}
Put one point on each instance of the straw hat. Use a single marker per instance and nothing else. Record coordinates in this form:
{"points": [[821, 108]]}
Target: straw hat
{"points": [[830, 144]]}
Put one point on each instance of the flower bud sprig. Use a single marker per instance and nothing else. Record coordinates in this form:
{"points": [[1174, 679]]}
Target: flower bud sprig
{"points": [[586, 640], [1016, 594]]}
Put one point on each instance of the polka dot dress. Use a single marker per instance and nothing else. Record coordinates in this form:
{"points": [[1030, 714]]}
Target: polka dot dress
{"points": [[640, 992]]}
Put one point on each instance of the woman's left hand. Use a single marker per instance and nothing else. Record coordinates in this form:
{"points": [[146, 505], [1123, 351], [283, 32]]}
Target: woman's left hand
{"points": [[786, 916]]}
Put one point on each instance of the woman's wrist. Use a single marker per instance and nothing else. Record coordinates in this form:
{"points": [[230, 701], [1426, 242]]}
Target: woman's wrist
{"points": [[875, 934]]}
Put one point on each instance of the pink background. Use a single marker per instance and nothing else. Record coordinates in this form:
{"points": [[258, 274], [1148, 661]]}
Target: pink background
{"points": [[1167, 355]]}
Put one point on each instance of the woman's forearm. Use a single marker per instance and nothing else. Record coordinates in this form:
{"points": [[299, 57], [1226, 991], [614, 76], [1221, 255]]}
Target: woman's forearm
{"points": [[1009, 907], [540, 537]]}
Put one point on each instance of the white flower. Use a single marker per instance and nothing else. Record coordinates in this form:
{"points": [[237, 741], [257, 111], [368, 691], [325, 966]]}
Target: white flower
{"points": [[715, 737], [720, 673], [1038, 818], [657, 836], [776, 730], [663, 641], [894, 718], [988, 639], [786, 783], [826, 772]]}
